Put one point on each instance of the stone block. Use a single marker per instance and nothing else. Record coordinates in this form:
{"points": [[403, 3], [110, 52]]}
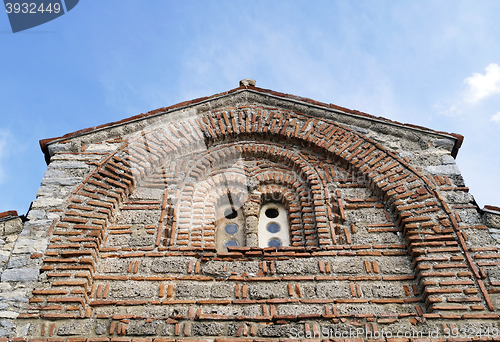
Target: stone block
{"points": [[251, 209], [353, 309], [448, 160], [101, 328], [444, 143], [344, 265], [459, 197], [360, 217], [34, 214], [493, 274], [43, 202], [139, 217], [384, 291], [300, 309], [481, 237], [170, 265], [252, 310], [216, 268], [104, 147], [266, 291], [113, 266], [143, 328], [450, 169], [222, 290], [140, 241], [26, 245], [207, 329], [308, 291], [21, 274], [69, 181], [18, 261], [8, 314], [297, 266], [275, 331], [395, 265], [329, 290], [146, 193], [192, 291], [4, 257], [252, 240], [53, 191], [77, 327], [117, 240], [492, 220], [251, 224], [160, 312], [132, 291], [69, 165], [6, 324], [168, 330], [13, 226], [289, 267], [470, 216]]}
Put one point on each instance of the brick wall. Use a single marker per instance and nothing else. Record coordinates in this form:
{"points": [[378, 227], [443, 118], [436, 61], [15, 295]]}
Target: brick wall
{"points": [[384, 235]]}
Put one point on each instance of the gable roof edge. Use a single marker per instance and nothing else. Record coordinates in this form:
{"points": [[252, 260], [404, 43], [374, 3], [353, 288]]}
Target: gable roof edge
{"points": [[44, 143]]}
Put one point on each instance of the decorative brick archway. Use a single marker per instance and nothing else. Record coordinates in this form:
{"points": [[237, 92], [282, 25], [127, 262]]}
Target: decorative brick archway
{"points": [[428, 225]]}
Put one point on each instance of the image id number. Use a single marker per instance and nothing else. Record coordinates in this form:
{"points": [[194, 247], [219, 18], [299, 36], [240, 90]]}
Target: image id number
{"points": [[32, 8], [470, 332]]}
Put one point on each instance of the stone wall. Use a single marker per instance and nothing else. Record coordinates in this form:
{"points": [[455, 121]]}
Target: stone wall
{"points": [[13, 295]]}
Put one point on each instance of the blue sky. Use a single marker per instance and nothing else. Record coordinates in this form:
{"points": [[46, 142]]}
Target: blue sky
{"points": [[430, 63]]}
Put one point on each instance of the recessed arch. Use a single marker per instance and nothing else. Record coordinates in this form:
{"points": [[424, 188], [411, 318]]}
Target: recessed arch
{"points": [[389, 176]]}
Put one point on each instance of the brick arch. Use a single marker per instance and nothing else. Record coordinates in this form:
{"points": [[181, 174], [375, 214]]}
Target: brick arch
{"points": [[77, 235], [213, 198], [391, 177], [275, 192], [218, 191], [286, 190], [280, 193], [220, 188], [221, 181], [221, 155]]}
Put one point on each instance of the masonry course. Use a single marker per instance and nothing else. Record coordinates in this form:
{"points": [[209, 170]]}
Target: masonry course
{"points": [[121, 242]]}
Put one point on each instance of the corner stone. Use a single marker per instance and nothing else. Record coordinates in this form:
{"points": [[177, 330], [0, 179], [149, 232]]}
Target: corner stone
{"points": [[8, 314], [24, 274], [448, 169]]}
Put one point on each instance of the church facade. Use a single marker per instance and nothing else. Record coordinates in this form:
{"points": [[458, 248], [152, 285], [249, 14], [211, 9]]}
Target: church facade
{"points": [[251, 215]]}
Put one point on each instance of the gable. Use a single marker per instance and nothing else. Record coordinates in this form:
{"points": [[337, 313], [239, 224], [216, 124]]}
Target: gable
{"points": [[390, 133], [379, 234]]}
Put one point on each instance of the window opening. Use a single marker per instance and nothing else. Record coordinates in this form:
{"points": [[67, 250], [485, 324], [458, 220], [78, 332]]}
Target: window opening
{"points": [[274, 242], [231, 243], [272, 213], [230, 214], [230, 227], [274, 230]]}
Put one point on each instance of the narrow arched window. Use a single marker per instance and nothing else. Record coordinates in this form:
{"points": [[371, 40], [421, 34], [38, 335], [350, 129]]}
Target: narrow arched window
{"points": [[230, 227], [274, 230]]}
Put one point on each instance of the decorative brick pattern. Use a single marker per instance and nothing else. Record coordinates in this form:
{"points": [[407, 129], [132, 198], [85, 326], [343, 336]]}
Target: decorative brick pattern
{"points": [[375, 240]]}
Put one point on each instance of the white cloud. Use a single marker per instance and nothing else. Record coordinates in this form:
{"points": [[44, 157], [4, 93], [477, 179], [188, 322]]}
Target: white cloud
{"points": [[496, 117], [478, 88], [481, 86]]}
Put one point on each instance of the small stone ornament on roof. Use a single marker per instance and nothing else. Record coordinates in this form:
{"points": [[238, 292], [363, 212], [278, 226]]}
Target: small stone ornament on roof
{"points": [[247, 82]]}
